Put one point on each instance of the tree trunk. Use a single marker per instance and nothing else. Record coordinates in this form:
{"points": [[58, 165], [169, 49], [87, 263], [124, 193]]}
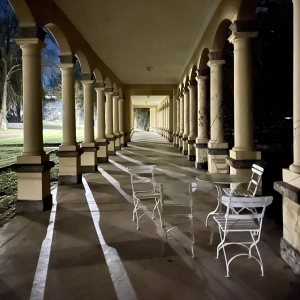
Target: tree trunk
{"points": [[3, 106]]}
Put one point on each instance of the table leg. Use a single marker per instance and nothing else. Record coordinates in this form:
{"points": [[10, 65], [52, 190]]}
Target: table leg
{"points": [[218, 208]]}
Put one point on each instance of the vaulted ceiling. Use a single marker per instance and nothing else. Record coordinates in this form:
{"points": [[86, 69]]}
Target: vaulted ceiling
{"points": [[142, 41]]}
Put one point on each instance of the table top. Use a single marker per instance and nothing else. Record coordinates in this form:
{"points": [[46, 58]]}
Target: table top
{"points": [[222, 178]]}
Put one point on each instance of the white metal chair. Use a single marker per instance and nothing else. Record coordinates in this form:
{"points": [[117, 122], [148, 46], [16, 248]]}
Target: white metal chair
{"points": [[176, 202], [253, 185], [246, 221], [144, 189]]}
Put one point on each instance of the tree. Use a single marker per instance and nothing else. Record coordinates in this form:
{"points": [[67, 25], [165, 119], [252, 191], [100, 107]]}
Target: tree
{"points": [[10, 63]]}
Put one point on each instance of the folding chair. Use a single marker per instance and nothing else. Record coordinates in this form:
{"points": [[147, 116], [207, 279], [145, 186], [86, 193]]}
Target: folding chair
{"points": [[253, 185], [245, 221], [176, 202], [144, 189]]}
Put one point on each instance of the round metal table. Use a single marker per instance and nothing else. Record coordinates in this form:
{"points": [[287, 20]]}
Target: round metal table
{"points": [[218, 180]]}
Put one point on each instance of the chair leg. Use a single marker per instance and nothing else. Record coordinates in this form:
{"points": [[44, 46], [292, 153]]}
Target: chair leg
{"points": [[193, 237], [164, 239], [259, 260]]}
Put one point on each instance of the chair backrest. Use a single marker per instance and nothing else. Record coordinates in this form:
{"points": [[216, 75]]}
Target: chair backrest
{"points": [[177, 194], [255, 180], [248, 204], [140, 182]]}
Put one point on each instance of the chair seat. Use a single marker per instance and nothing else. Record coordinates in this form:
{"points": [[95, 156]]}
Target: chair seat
{"points": [[237, 192], [236, 225], [146, 194]]}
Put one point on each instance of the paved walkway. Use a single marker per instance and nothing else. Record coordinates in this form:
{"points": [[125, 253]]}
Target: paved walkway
{"points": [[87, 247]]}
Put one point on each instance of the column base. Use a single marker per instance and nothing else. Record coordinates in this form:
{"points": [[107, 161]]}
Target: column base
{"points": [[290, 255], [102, 150], [33, 187], [88, 159], [117, 142], [192, 157], [180, 149], [69, 166], [69, 179], [111, 146], [102, 159], [184, 152], [201, 165], [201, 155], [89, 169], [28, 206]]}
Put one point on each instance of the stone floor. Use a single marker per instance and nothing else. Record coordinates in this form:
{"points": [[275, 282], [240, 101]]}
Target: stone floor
{"points": [[87, 247]]}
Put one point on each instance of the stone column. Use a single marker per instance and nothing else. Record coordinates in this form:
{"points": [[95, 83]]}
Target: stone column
{"points": [[186, 120], [116, 120], [174, 118], [192, 123], [69, 152], [89, 156], [170, 120], [101, 138], [121, 128], [202, 138], [177, 121], [33, 166], [181, 123], [164, 120], [109, 122], [243, 154], [290, 186], [217, 148]]}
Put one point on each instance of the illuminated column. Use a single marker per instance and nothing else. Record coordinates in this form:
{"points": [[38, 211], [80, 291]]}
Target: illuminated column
{"points": [[89, 156], [290, 186], [192, 117], [101, 138], [168, 120], [121, 127], [109, 122], [181, 123], [69, 152], [243, 154], [217, 148], [116, 120], [177, 121], [33, 166], [165, 120], [202, 138], [186, 121], [174, 118]]}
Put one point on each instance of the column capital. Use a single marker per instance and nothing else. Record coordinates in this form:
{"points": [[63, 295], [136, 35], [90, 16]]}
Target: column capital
{"points": [[242, 30], [87, 76], [109, 91], [30, 35], [67, 59], [121, 99], [215, 58], [216, 62], [202, 72], [86, 82], [192, 83], [99, 85], [115, 95], [185, 91]]}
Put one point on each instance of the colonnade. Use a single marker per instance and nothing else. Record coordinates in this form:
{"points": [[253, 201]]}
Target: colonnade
{"points": [[33, 166], [205, 143]]}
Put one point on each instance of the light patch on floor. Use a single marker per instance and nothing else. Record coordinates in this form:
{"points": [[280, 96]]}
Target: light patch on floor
{"points": [[117, 271]]}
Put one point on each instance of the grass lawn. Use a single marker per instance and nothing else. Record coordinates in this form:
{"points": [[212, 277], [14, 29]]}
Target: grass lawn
{"points": [[11, 147], [52, 134]]}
